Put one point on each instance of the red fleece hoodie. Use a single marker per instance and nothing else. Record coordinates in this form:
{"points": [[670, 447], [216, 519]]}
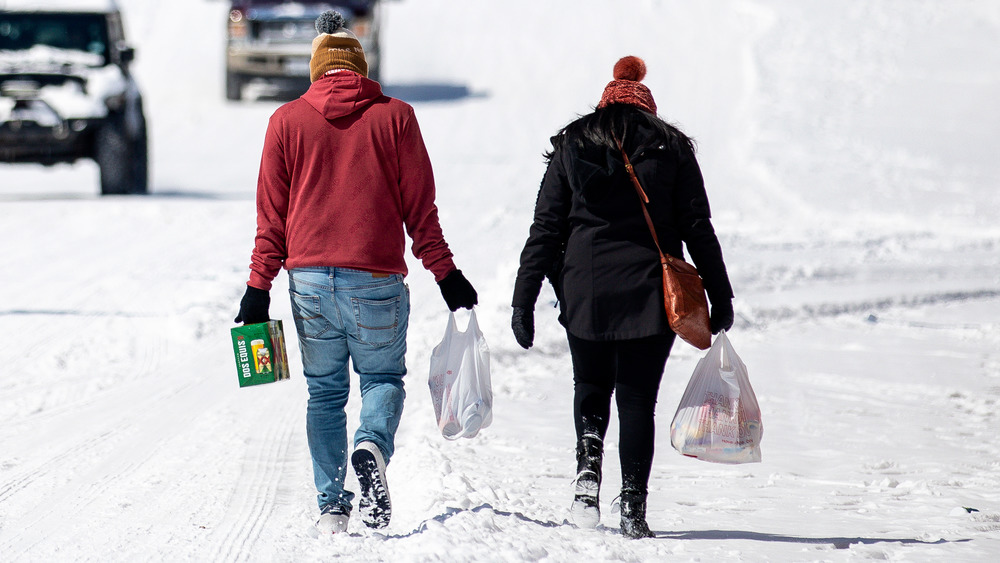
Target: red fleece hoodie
{"points": [[344, 169]]}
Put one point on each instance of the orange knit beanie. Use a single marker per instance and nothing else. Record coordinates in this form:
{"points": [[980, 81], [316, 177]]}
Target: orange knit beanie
{"points": [[626, 88], [335, 48]]}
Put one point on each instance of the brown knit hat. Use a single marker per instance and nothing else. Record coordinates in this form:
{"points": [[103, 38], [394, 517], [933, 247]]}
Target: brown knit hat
{"points": [[626, 88], [335, 48]]}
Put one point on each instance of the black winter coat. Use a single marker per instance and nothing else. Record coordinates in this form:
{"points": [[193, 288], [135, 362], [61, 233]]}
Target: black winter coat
{"points": [[590, 235]]}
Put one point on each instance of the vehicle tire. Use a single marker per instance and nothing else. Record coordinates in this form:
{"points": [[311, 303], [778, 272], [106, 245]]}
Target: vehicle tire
{"points": [[375, 67], [123, 164], [234, 86], [140, 164]]}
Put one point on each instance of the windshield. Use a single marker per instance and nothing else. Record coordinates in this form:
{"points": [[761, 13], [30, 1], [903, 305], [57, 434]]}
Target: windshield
{"points": [[357, 6], [76, 32], [349, 3]]}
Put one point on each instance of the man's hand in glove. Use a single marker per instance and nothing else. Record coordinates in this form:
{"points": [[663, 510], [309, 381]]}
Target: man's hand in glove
{"points": [[253, 307], [457, 291]]}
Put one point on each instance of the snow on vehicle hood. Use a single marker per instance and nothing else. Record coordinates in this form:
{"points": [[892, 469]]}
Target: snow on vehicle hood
{"points": [[69, 98], [28, 60], [96, 6], [342, 93], [288, 10]]}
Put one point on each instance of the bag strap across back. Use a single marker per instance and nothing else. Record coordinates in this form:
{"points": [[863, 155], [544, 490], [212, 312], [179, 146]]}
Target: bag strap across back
{"points": [[643, 200]]}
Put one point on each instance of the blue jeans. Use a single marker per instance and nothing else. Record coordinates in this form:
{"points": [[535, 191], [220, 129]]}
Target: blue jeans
{"points": [[339, 314]]}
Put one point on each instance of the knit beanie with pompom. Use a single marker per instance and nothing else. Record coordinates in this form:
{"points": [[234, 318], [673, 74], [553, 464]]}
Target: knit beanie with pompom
{"points": [[627, 88], [335, 48]]}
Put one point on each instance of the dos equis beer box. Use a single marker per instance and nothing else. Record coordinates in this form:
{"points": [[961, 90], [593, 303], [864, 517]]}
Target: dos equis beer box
{"points": [[260, 353]]}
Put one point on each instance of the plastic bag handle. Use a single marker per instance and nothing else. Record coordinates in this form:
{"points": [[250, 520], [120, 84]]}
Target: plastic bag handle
{"points": [[472, 326], [727, 350], [452, 327]]}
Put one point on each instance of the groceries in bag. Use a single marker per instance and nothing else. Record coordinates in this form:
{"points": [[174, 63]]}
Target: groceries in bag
{"points": [[718, 418], [260, 353], [460, 381]]}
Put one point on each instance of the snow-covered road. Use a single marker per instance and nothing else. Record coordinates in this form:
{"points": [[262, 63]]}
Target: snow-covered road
{"points": [[849, 152]]}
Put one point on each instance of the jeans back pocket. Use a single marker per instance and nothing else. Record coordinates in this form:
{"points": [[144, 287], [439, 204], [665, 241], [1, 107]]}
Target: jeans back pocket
{"points": [[378, 319], [309, 319]]}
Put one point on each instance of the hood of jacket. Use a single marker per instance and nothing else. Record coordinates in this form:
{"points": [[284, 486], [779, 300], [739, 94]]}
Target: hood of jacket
{"points": [[341, 94], [594, 170]]}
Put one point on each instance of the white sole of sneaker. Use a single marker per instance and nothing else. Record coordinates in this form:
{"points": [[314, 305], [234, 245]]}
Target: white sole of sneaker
{"points": [[332, 524]]}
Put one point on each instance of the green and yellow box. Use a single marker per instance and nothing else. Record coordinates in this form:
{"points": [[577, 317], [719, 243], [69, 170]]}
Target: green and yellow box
{"points": [[260, 353]]}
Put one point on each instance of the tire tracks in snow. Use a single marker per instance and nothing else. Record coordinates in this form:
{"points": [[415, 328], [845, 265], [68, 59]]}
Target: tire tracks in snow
{"points": [[21, 482], [760, 317], [138, 411], [254, 498], [139, 416], [54, 374]]}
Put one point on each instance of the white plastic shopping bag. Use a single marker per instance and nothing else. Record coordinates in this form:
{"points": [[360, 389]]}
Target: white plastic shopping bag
{"points": [[460, 381], [718, 418]]}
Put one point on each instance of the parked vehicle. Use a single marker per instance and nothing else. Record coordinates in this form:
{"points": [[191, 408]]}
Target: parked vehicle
{"points": [[269, 41], [66, 92]]}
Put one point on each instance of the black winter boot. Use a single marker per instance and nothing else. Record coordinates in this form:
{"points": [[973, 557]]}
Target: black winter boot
{"points": [[633, 505], [586, 509]]}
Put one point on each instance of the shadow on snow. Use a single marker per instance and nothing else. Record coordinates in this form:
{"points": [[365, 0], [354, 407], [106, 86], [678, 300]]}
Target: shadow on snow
{"points": [[451, 512], [410, 93], [430, 92], [836, 542]]}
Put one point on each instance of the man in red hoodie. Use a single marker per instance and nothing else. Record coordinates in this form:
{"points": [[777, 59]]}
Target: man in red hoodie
{"points": [[343, 172]]}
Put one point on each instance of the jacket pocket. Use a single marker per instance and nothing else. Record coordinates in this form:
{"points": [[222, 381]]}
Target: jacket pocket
{"points": [[308, 317], [377, 319]]}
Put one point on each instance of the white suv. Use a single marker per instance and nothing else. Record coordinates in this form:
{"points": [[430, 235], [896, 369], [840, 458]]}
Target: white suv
{"points": [[66, 92]]}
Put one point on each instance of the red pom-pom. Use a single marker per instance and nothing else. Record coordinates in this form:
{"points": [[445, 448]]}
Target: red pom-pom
{"points": [[630, 68]]}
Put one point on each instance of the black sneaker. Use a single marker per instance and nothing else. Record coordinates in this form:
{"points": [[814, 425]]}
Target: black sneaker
{"points": [[373, 504]]}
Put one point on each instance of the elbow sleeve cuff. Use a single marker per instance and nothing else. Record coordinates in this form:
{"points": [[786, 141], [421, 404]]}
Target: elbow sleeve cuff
{"points": [[526, 293]]}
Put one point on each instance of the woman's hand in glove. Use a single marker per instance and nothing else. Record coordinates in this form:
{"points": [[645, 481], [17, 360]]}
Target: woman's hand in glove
{"points": [[722, 315], [522, 322]]}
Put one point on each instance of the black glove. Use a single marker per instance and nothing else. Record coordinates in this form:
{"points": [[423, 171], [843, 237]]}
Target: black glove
{"points": [[457, 291], [722, 315], [523, 324], [253, 307]]}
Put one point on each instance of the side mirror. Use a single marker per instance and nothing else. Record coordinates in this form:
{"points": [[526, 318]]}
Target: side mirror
{"points": [[126, 54]]}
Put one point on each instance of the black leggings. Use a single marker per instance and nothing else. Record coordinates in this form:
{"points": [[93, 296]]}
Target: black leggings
{"points": [[631, 370]]}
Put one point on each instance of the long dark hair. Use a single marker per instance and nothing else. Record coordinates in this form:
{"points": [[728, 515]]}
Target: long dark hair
{"points": [[619, 121]]}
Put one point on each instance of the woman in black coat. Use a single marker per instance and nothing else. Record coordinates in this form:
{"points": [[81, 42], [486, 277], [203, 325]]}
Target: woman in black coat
{"points": [[589, 237]]}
